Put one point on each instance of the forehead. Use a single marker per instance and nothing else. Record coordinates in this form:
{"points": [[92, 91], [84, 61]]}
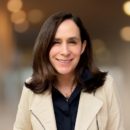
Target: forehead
{"points": [[68, 28]]}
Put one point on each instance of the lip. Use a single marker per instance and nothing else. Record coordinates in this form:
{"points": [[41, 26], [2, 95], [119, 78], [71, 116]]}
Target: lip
{"points": [[67, 63], [64, 60]]}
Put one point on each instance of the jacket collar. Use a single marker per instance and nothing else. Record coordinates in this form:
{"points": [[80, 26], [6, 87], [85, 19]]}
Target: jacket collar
{"points": [[87, 109], [42, 108]]}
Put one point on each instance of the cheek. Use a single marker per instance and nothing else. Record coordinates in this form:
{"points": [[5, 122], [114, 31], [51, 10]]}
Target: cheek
{"points": [[52, 52], [77, 51]]}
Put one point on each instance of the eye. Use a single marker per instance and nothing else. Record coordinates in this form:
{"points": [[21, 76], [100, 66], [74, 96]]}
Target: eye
{"points": [[56, 42], [73, 42]]}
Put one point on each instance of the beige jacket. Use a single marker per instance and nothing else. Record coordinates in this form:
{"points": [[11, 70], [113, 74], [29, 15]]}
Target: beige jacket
{"points": [[35, 111]]}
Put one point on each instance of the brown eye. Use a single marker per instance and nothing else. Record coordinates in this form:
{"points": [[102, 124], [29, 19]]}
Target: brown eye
{"points": [[56, 42], [72, 42]]}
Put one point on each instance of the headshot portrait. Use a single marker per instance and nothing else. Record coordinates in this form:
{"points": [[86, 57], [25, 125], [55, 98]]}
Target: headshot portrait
{"points": [[67, 90]]}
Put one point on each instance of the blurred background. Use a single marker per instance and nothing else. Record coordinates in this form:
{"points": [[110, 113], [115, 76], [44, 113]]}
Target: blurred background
{"points": [[107, 21]]}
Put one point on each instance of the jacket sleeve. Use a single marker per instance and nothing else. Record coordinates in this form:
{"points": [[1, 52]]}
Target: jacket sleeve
{"points": [[115, 119], [23, 121]]}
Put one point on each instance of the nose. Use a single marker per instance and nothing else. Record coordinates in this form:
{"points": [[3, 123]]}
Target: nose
{"points": [[65, 49]]}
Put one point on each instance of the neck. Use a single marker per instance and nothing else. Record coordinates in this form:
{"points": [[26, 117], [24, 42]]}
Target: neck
{"points": [[65, 84], [65, 81]]}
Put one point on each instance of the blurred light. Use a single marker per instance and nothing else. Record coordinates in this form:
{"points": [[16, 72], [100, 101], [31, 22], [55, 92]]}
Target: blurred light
{"points": [[21, 27], [125, 33], [126, 7], [14, 5], [35, 16], [98, 46], [18, 17], [104, 56], [7, 43]]}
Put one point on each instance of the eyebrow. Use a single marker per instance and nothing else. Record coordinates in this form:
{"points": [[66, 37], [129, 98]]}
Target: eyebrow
{"points": [[68, 38]]}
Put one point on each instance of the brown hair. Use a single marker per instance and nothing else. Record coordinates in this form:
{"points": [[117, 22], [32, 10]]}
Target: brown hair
{"points": [[43, 72]]}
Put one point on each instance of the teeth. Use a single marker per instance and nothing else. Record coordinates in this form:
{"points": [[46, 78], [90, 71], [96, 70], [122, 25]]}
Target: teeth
{"points": [[64, 61]]}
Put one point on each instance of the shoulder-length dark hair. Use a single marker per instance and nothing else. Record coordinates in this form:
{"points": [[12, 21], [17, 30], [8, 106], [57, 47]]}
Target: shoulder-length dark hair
{"points": [[43, 72]]}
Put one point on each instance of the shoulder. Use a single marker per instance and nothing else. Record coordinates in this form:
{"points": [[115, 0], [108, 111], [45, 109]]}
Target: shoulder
{"points": [[28, 79], [109, 79], [25, 89], [108, 84], [111, 108], [108, 93], [108, 87], [28, 94]]}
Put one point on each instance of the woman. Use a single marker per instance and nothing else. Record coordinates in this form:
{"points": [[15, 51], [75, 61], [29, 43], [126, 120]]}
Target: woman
{"points": [[66, 90]]}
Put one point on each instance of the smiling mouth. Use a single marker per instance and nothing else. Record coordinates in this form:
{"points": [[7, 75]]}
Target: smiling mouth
{"points": [[64, 61]]}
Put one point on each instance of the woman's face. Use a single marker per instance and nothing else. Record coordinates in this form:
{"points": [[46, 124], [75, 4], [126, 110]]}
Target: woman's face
{"points": [[67, 48]]}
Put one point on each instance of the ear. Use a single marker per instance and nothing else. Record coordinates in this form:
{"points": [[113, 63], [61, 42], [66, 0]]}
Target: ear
{"points": [[83, 46]]}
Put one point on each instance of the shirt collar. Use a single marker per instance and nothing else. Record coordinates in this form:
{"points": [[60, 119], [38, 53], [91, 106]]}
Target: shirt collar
{"points": [[57, 94], [86, 76]]}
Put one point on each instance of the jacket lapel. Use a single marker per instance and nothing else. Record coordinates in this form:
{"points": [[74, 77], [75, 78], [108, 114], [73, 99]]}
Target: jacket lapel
{"points": [[87, 110], [42, 109]]}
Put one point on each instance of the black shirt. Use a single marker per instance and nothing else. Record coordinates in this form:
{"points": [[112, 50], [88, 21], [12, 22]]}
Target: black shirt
{"points": [[66, 112]]}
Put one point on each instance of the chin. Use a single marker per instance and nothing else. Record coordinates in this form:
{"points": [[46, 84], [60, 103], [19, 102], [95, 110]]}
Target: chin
{"points": [[64, 71]]}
